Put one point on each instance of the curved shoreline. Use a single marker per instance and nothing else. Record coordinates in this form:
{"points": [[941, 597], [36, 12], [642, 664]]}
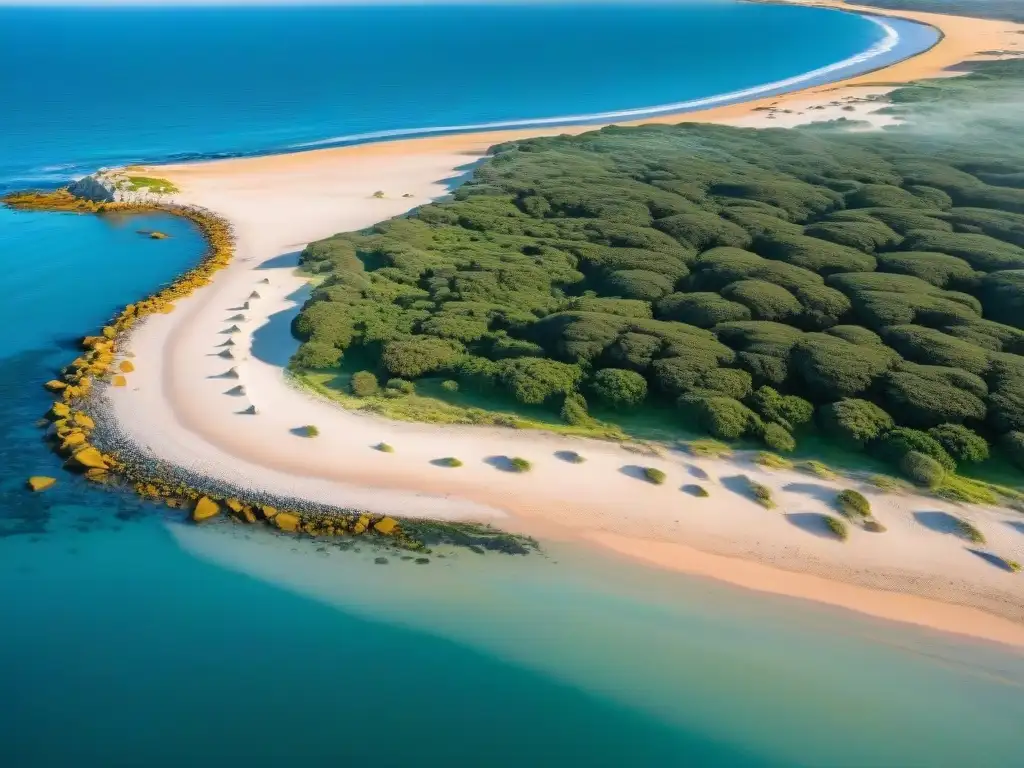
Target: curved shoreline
{"points": [[179, 410]]}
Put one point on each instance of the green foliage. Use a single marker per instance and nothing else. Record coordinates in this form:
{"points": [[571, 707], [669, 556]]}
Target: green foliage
{"points": [[730, 382], [1013, 444], [415, 357], [853, 504], [837, 527], [708, 449], [938, 269], [778, 438], [364, 384], [385, 448], [519, 464], [574, 410], [401, 385], [922, 470], [960, 442], [449, 461], [450, 385], [308, 431], [313, 355], [704, 309], [619, 388], [898, 442], [982, 252], [534, 380], [772, 460], [654, 475], [829, 366], [816, 468], [789, 411], [762, 494], [854, 421], [721, 416], [969, 531], [887, 483]]}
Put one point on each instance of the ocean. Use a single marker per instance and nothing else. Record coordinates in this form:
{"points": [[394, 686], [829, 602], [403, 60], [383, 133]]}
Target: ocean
{"points": [[130, 638]]}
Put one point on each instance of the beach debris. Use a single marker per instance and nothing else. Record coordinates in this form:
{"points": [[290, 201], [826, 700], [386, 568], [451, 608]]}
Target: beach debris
{"points": [[40, 483], [379, 194], [254, 295], [237, 390], [205, 509], [250, 411]]}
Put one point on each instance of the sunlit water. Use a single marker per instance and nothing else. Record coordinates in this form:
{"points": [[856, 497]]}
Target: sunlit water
{"points": [[132, 639]]}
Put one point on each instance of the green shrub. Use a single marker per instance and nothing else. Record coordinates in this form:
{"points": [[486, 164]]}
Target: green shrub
{"points": [[654, 475], [873, 526], [619, 388], [401, 385], [1013, 565], [838, 528], [520, 465], [697, 490], [723, 417], [897, 443], [450, 385], [574, 411], [385, 448], [730, 382], [853, 504], [772, 460], [777, 438], [969, 531], [364, 384], [708, 449], [762, 495], [854, 421], [922, 469], [1013, 445], [415, 357], [532, 380], [313, 355], [765, 300], [309, 431], [831, 367], [816, 468], [887, 484], [788, 410], [449, 461], [963, 490], [703, 309], [960, 442]]}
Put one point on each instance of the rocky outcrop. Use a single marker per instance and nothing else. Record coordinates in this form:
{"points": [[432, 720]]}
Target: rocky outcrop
{"points": [[113, 187], [205, 509], [41, 483]]}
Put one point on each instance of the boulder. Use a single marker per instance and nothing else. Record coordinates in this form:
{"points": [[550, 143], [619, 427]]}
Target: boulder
{"points": [[55, 385], [40, 483], [205, 509], [386, 526], [88, 458], [286, 521]]}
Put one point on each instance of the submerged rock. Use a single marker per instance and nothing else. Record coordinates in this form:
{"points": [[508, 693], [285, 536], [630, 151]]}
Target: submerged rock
{"points": [[40, 483]]}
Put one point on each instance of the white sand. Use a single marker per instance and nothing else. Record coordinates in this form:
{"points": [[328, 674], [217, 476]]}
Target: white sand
{"points": [[176, 404]]}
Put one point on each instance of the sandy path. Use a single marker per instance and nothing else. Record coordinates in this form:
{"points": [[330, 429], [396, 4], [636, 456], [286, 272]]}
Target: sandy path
{"points": [[177, 404]]}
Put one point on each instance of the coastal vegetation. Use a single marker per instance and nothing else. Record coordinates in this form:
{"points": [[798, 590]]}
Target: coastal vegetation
{"points": [[757, 286], [853, 504], [654, 475], [837, 527]]}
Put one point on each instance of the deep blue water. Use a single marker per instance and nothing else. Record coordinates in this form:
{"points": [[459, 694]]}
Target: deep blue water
{"points": [[87, 88], [131, 639]]}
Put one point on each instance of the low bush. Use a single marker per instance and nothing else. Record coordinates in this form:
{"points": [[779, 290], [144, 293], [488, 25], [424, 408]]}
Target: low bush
{"points": [[364, 384], [521, 465], [401, 385], [654, 475], [778, 438], [385, 448], [963, 490], [696, 490], [450, 385], [309, 431], [772, 460], [816, 468], [449, 461], [853, 504], [838, 528], [708, 449], [887, 483], [1013, 565], [969, 531], [573, 457], [762, 494], [922, 470]]}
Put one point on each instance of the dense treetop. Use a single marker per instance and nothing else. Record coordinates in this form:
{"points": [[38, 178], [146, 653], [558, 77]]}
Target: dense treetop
{"points": [[752, 277]]}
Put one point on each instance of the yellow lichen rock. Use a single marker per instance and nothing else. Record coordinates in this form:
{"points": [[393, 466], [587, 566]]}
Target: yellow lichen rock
{"points": [[205, 509], [40, 483], [286, 521], [96, 475], [72, 441], [361, 524], [84, 421], [386, 526], [60, 411], [126, 366], [88, 458], [249, 515], [55, 385], [234, 505], [119, 381], [268, 512]]}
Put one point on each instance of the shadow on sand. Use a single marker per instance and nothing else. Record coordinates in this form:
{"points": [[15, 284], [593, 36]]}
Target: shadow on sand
{"points": [[991, 559], [940, 522], [811, 522], [814, 490], [273, 342]]}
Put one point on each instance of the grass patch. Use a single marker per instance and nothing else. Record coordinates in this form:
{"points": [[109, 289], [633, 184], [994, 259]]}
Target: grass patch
{"points": [[520, 464], [969, 531], [385, 448], [449, 461], [888, 483], [838, 528], [708, 449], [654, 475], [308, 431], [852, 504], [772, 460], [966, 491], [816, 468], [762, 494], [1013, 565], [155, 185]]}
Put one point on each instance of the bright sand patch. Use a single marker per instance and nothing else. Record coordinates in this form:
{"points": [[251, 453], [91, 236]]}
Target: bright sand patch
{"points": [[178, 403]]}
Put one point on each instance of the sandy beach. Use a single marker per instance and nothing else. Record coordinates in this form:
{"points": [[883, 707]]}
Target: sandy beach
{"points": [[177, 403]]}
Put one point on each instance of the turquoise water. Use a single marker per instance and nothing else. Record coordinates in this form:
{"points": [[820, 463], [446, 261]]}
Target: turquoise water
{"points": [[131, 639]]}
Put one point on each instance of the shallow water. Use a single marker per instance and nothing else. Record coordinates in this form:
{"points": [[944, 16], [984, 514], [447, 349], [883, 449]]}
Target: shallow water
{"points": [[130, 638]]}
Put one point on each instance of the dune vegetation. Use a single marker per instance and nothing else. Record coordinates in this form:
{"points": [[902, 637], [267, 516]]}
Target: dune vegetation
{"points": [[750, 285]]}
